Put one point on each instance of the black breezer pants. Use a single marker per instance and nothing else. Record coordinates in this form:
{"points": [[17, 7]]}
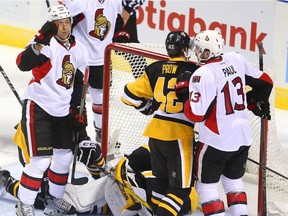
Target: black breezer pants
{"points": [[215, 162], [96, 76], [44, 132]]}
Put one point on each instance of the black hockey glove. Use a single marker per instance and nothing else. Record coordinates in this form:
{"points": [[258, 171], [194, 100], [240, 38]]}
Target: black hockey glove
{"points": [[131, 5], [89, 152], [182, 86], [259, 108], [149, 107], [44, 35], [121, 37], [77, 123]]}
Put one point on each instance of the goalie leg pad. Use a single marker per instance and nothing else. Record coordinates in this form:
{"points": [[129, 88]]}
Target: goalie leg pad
{"points": [[87, 196], [121, 176], [117, 200]]}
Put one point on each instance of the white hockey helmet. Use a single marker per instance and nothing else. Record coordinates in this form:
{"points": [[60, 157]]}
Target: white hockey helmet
{"points": [[208, 40], [58, 12]]}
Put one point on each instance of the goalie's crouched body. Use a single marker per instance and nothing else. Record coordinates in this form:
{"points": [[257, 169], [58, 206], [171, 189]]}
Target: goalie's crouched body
{"points": [[134, 171]]}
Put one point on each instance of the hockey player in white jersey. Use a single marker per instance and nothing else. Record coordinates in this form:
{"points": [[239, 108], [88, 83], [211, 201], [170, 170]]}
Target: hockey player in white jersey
{"points": [[49, 116], [218, 101], [96, 23]]}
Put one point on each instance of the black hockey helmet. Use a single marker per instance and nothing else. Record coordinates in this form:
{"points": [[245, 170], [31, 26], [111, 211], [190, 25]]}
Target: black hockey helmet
{"points": [[177, 42]]}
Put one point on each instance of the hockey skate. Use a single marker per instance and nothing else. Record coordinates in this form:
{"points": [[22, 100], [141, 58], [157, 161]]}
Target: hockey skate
{"points": [[5, 181], [24, 209], [58, 207]]}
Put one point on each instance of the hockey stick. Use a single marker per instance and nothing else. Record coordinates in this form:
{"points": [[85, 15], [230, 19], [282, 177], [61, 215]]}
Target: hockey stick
{"points": [[81, 180], [76, 134], [262, 196], [269, 169], [47, 3], [10, 85]]}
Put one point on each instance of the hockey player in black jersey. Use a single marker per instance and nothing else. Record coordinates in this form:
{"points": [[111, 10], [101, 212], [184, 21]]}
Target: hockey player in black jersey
{"points": [[170, 132]]}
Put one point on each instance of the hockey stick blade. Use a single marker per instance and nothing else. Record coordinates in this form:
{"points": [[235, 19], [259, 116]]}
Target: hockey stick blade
{"points": [[76, 134], [80, 181]]}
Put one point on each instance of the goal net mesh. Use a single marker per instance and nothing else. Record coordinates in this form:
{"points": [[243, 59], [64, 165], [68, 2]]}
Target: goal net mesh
{"points": [[125, 63]]}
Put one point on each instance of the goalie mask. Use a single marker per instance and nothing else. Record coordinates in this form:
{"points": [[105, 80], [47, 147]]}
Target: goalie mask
{"points": [[208, 40], [178, 43]]}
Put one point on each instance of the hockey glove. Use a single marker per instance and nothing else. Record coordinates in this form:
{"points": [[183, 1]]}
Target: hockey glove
{"points": [[89, 152], [149, 107], [259, 108], [44, 35], [182, 86], [131, 5], [121, 37], [77, 123]]}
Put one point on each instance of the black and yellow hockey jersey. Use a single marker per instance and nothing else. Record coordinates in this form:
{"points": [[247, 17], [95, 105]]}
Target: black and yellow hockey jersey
{"points": [[158, 82]]}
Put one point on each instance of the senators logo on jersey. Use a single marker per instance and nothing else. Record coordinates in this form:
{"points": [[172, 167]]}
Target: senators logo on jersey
{"points": [[101, 26], [68, 69]]}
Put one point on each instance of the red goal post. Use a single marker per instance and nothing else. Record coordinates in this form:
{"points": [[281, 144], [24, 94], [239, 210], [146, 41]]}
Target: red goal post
{"points": [[108, 76]]}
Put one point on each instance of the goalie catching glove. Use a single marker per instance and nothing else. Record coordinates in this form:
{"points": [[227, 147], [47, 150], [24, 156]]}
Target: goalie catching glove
{"points": [[182, 86], [44, 35], [259, 108]]}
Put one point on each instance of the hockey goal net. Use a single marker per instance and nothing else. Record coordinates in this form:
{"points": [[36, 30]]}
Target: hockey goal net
{"points": [[124, 63]]}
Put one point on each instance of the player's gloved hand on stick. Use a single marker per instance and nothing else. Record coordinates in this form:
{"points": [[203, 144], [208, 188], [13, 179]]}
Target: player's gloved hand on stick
{"points": [[149, 106], [265, 109], [47, 31], [89, 151], [182, 86], [259, 108], [75, 121]]}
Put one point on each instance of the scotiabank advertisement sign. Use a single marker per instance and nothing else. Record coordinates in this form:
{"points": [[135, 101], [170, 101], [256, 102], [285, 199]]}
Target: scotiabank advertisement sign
{"points": [[243, 24]]}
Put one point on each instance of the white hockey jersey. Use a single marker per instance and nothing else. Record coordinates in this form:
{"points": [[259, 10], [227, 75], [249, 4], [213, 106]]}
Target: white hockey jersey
{"points": [[52, 84], [218, 102], [96, 25]]}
